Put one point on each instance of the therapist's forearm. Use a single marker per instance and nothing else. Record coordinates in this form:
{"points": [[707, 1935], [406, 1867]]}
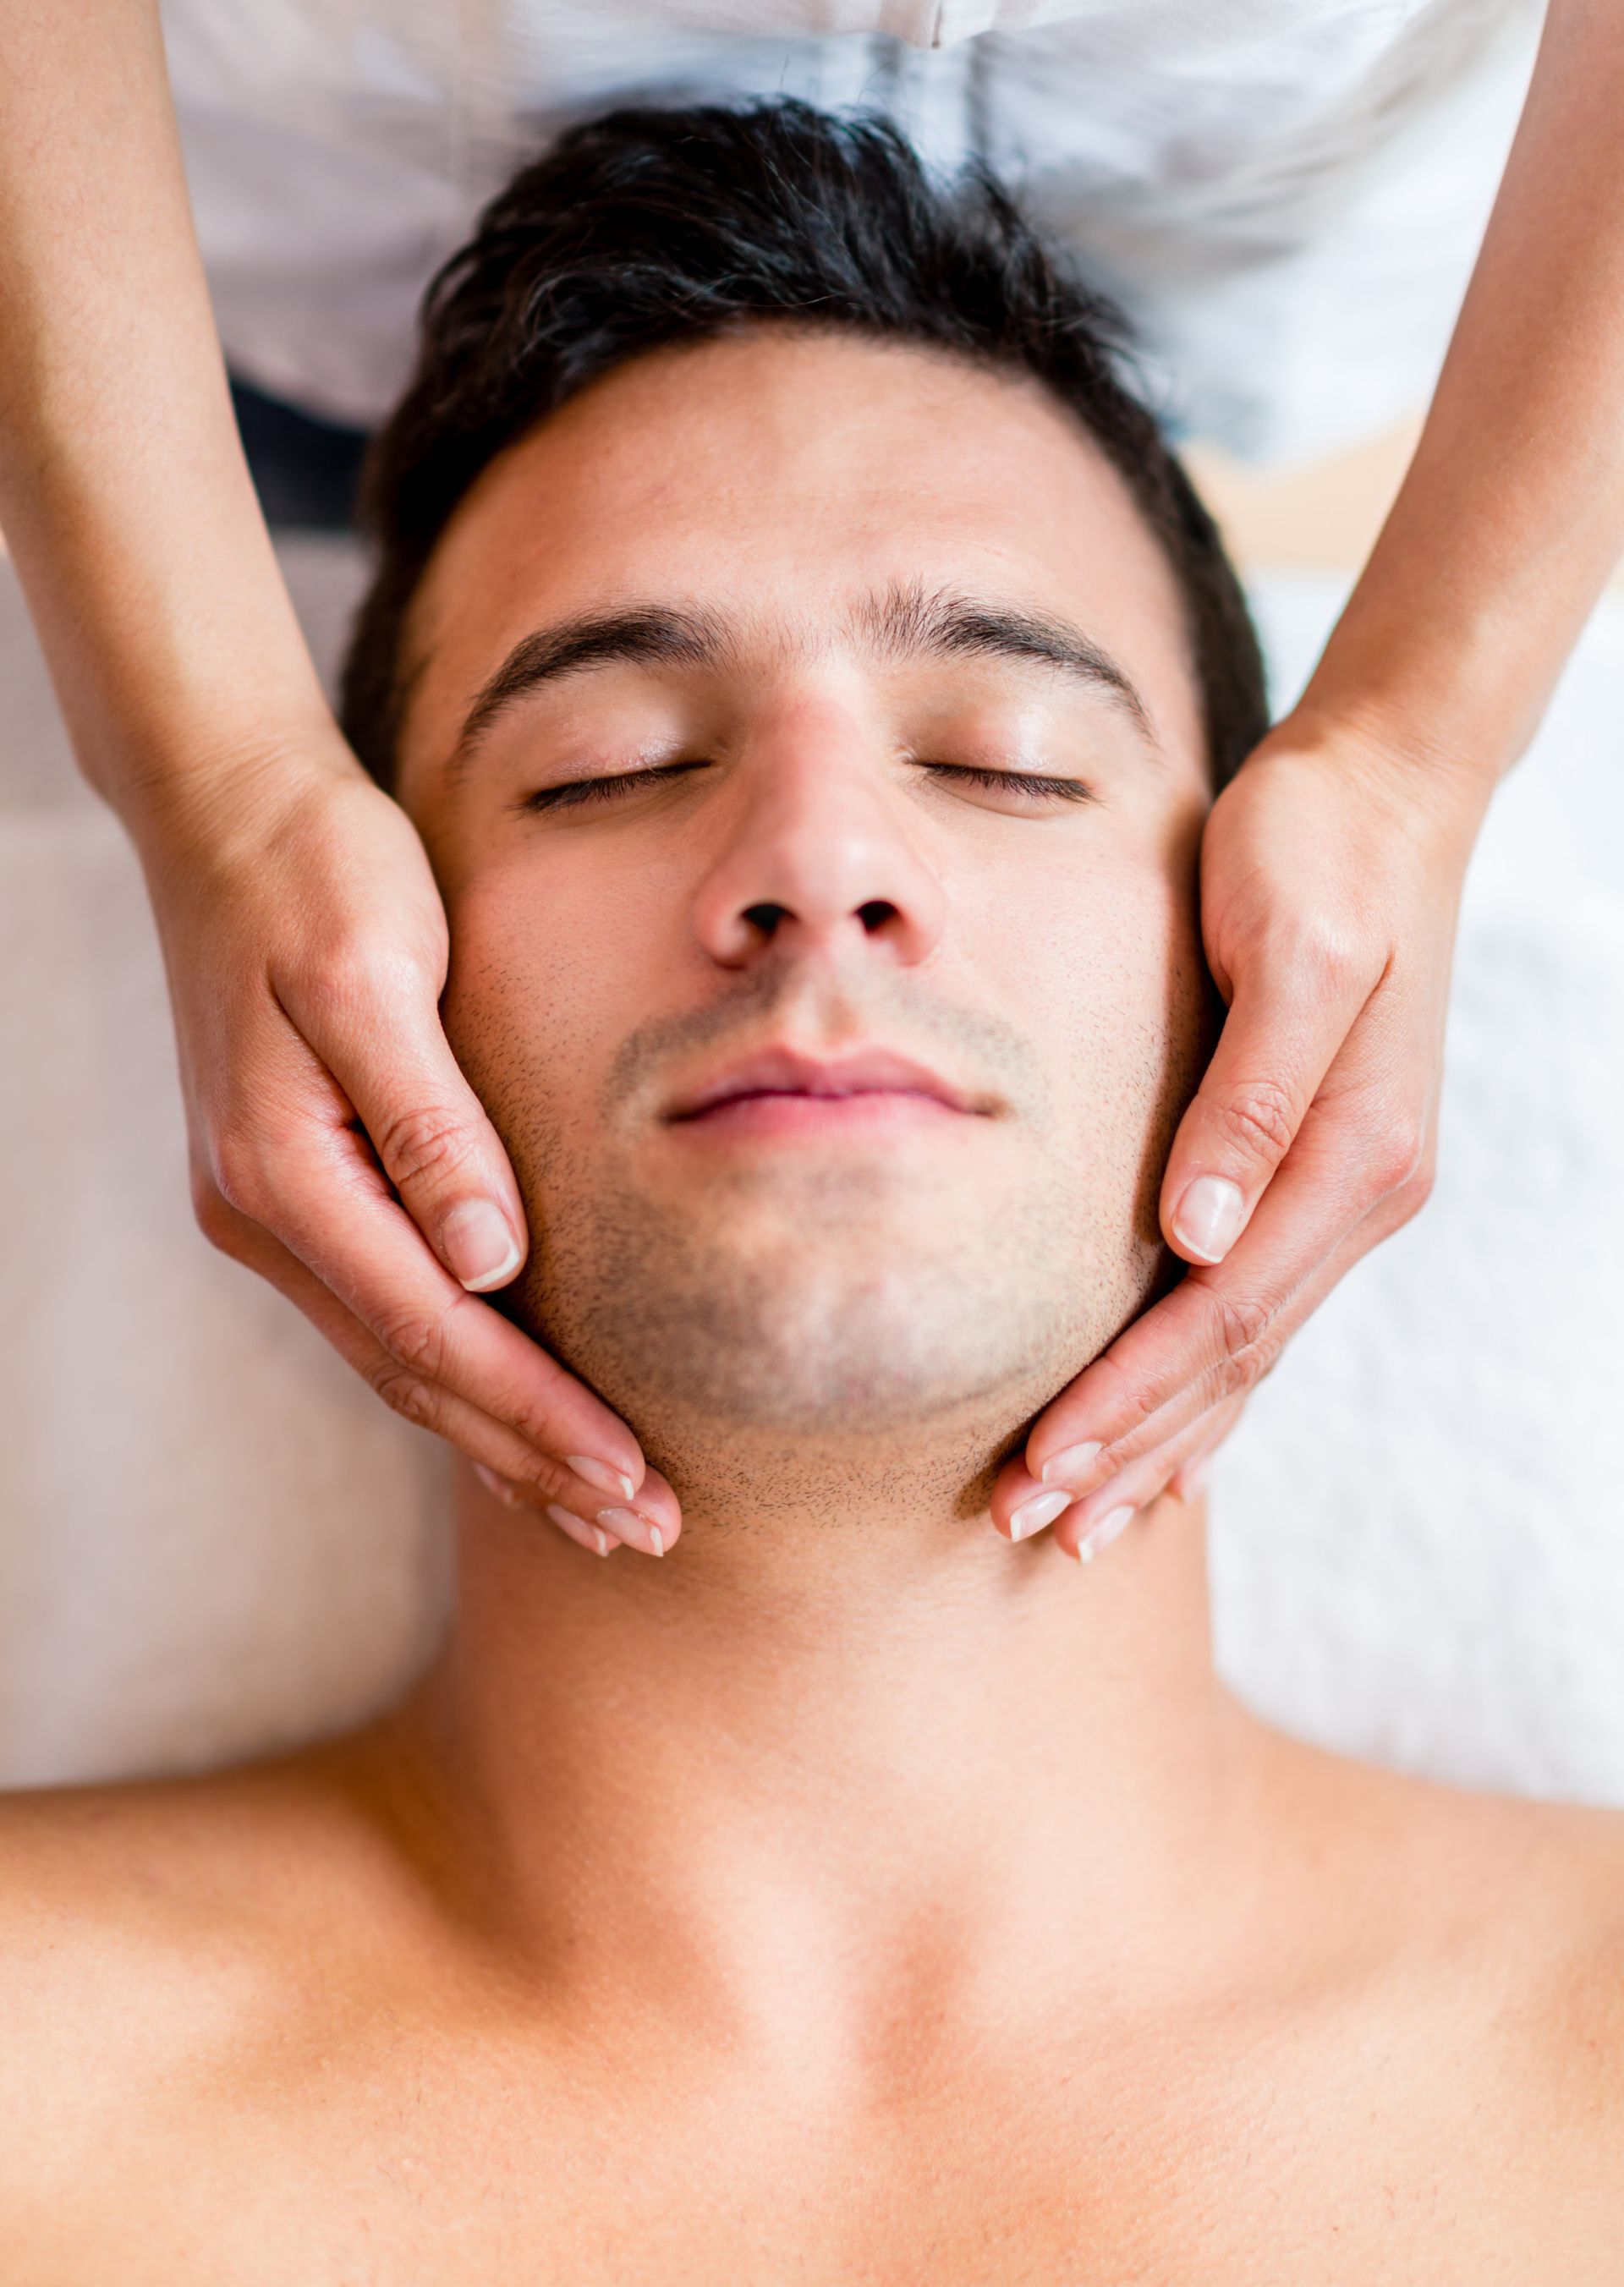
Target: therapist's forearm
{"points": [[123, 494], [1512, 513]]}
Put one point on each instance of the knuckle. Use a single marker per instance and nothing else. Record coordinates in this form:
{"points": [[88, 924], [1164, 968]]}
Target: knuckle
{"points": [[1408, 1198], [418, 1341], [1326, 952], [357, 973], [420, 1146], [554, 1482], [215, 1218], [1127, 1405], [1260, 1118], [1248, 1348], [404, 1393], [1399, 1159], [238, 1176]]}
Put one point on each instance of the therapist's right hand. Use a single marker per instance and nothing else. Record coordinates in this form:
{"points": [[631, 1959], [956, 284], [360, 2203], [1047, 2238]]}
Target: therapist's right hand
{"points": [[337, 1148]]}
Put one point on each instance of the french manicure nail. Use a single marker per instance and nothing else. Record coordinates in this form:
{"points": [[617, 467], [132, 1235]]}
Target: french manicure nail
{"points": [[1208, 1218], [1070, 1466], [626, 1525], [571, 1523], [498, 1488], [1103, 1533], [599, 1475], [478, 1245], [1033, 1515], [1195, 1480]]}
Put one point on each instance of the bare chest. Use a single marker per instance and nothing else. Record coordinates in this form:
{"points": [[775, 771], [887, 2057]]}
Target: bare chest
{"points": [[1058, 2169]]}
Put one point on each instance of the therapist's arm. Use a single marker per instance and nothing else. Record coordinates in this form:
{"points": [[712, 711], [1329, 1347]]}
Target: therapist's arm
{"points": [[1332, 867], [304, 936]]}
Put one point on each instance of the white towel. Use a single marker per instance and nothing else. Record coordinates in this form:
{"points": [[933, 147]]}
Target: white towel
{"points": [[213, 1540]]}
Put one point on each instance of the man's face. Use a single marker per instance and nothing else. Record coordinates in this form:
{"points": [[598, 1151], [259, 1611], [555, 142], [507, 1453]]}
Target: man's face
{"points": [[806, 746]]}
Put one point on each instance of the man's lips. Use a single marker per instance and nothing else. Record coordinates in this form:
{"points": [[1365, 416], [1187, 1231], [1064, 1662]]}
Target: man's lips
{"points": [[788, 1073]]}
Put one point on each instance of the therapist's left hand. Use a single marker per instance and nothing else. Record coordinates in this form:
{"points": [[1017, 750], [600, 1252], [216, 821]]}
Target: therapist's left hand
{"points": [[1331, 872]]}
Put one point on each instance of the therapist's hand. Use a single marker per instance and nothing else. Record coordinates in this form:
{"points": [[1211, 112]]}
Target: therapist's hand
{"points": [[1331, 873], [337, 1148]]}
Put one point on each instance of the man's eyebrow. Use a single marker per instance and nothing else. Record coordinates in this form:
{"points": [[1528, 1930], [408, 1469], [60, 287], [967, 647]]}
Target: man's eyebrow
{"points": [[911, 623], [648, 635], [902, 622]]}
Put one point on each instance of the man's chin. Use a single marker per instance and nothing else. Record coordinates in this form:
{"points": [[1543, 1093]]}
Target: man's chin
{"points": [[787, 1337]]}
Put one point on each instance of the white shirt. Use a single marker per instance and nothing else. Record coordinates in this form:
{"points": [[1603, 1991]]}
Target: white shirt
{"points": [[1287, 195]]}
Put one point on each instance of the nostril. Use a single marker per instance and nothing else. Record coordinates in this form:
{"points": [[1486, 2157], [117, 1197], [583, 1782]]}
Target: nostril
{"points": [[876, 914], [765, 917]]}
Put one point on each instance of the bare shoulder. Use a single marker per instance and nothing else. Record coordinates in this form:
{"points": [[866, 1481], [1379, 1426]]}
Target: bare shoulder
{"points": [[1495, 1927], [1561, 1927], [153, 1938]]}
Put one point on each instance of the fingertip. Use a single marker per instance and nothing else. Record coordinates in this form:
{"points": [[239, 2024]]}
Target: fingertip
{"points": [[1207, 1222], [477, 1246], [1014, 1490], [603, 1477], [657, 1502]]}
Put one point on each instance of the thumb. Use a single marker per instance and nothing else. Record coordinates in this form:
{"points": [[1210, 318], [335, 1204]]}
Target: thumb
{"points": [[1282, 1034], [440, 1151]]}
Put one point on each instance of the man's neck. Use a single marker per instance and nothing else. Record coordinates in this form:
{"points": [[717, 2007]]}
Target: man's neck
{"points": [[790, 1771]]}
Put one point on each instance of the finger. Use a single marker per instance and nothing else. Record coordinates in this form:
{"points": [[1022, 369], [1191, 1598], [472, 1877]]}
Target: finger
{"points": [[650, 1520], [589, 1536], [1089, 1526], [429, 1129], [655, 1501], [1293, 1010], [1352, 1153], [1215, 1336], [1018, 1496], [322, 1194]]}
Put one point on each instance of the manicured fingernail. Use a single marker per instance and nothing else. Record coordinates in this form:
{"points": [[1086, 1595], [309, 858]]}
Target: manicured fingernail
{"points": [[478, 1245], [599, 1475], [1072, 1466], [1033, 1515], [571, 1523], [1208, 1218], [626, 1525], [497, 1487], [1104, 1532], [1195, 1481]]}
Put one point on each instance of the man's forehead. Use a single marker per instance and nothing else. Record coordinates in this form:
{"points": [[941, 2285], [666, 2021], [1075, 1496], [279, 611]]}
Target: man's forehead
{"points": [[783, 454], [696, 483]]}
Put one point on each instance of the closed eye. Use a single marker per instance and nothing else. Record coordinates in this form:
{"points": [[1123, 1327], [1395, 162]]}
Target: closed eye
{"points": [[1026, 782], [573, 793]]}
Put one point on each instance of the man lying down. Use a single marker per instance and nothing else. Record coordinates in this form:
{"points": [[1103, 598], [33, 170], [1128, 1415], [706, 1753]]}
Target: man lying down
{"points": [[810, 675]]}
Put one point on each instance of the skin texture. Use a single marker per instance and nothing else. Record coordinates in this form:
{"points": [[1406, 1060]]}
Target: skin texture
{"points": [[335, 1146], [818, 878], [849, 1896]]}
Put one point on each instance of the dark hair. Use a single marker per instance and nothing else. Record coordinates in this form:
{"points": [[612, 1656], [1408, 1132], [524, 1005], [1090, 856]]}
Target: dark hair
{"points": [[651, 226]]}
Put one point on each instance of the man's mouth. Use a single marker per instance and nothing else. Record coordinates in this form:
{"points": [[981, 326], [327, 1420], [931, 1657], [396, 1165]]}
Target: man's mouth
{"points": [[782, 1091]]}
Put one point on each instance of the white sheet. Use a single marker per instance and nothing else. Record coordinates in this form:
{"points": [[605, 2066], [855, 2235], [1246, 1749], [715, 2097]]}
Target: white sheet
{"points": [[213, 1540]]}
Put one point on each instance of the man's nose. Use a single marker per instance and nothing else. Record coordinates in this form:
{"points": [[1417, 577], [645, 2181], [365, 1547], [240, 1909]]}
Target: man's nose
{"points": [[817, 856]]}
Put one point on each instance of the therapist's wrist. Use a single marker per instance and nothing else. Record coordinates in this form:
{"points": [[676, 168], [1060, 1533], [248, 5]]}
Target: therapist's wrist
{"points": [[1452, 689], [1421, 773], [217, 793]]}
